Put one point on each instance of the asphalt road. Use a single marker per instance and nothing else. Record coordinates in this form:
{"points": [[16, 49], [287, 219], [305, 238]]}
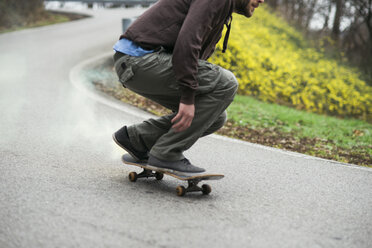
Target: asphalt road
{"points": [[62, 183]]}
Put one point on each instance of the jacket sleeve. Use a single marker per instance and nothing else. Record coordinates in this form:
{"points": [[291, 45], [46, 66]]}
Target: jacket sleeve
{"points": [[196, 26]]}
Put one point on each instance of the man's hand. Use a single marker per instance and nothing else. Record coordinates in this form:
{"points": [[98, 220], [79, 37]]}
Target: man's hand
{"points": [[184, 117]]}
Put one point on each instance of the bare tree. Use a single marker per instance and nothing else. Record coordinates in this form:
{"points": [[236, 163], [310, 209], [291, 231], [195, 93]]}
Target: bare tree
{"points": [[364, 10], [312, 8], [327, 14], [355, 39], [337, 20]]}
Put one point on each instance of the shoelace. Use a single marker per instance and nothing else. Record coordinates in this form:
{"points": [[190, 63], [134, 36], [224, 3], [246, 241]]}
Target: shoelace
{"points": [[186, 161]]}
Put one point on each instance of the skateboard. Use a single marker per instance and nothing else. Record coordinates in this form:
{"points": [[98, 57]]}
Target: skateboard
{"points": [[193, 180]]}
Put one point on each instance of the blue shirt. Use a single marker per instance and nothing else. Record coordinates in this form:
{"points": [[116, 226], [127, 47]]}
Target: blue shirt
{"points": [[129, 47]]}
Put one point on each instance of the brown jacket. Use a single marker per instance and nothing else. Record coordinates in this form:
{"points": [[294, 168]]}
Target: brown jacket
{"points": [[190, 29]]}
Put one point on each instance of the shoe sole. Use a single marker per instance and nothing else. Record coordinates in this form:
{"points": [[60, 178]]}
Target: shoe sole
{"points": [[175, 172], [146, 166], [128, 151]]}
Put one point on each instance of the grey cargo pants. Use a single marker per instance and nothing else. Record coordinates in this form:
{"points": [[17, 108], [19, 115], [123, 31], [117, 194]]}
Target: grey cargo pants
{"points": [[152, 76]]}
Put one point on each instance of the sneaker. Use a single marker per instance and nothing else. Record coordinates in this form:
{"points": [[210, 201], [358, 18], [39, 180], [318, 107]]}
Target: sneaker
{"points": [[121, 138], [183, 166]]}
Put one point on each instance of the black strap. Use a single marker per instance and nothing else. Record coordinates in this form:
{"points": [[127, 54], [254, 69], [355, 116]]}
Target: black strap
{"points": [[226, 39]]}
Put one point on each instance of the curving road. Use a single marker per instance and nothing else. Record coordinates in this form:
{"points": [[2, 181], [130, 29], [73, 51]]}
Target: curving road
{"points": [[62, 183]]}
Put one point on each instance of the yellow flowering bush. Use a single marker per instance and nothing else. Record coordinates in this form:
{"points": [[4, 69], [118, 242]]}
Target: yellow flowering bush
{"points": [[274, 63]]}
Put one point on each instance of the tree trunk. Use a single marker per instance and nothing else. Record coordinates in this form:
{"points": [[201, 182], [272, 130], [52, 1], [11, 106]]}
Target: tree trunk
{"points": [[337, 20], [326, 20], [310, 13], [301, 12]]}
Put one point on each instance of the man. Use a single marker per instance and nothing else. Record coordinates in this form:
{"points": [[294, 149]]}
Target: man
{"points": [[162, 56]]}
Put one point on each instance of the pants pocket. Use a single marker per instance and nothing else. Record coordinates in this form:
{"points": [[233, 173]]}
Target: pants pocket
{"points": [[124, 69], [126, 75], [208, 77]]}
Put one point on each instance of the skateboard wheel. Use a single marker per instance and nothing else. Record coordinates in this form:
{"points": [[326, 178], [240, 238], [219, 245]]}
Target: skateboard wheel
{"points": [[159, 175], [206, 189], [181, 191], [133, 176]]}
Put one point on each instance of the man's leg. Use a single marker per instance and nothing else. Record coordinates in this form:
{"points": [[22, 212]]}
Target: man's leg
{"points": [[208, 110], [152, 76], [144, 135]]}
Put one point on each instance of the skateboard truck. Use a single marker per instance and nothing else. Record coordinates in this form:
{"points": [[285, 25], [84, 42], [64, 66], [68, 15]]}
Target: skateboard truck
{"points": [[193, 187], [133, 176], [181, 190]]}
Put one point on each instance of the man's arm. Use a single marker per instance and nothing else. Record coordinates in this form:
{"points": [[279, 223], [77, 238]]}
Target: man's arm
{"points": [[197, 24]]}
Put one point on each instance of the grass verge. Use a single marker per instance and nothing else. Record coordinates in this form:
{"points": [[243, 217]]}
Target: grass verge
{"points": [[49, 17], [343, 140]]}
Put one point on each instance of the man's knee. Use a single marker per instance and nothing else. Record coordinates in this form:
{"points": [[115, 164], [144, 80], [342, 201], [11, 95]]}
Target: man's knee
{"points": [[230, 82], [221, 120]]}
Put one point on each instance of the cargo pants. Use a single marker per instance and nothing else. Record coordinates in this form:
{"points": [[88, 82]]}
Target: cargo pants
{"points": [[152, 76]]}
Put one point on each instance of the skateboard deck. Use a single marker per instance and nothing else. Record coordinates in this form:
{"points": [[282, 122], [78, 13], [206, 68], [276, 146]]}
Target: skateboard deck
{"points": [[193, 180]]}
